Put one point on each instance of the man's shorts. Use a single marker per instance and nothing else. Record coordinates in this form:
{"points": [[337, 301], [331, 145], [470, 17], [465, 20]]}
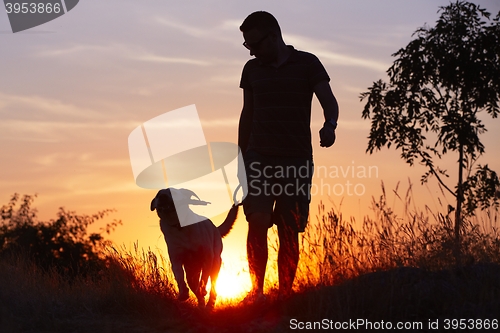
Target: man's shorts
{"points": [[280, 186]]}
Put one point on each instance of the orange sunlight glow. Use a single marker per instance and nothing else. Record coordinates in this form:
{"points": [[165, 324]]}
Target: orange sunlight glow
{"points": [[232, 284]]}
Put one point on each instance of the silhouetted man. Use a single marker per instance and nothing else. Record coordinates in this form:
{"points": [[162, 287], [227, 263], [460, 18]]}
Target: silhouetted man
{"points": [[275, 138]]}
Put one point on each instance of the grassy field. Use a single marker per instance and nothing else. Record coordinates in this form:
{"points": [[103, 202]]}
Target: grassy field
{"points": [[388, 272]]}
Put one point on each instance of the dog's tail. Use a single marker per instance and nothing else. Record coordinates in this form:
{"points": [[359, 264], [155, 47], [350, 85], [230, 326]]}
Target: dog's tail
{"points": [[228, 223]]}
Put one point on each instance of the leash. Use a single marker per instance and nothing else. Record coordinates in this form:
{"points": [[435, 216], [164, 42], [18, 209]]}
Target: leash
{"points": [[235, 201]]}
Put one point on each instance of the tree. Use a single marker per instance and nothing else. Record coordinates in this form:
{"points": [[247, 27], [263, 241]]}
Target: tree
{"points": [[63, 244], [438, 85]]}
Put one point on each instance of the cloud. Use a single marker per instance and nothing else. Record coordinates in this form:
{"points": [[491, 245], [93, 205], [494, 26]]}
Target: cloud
{"points": [[322, 49], [225, 31], [35, 118], [57, 131], [130, 52], [232, 79], [83, 160], [169, 60], [232, 25], [45, 107], [186, 29], [220, 122], [73, 49]]}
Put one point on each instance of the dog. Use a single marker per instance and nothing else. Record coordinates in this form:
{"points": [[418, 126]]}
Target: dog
{"points": [[195, 248]]}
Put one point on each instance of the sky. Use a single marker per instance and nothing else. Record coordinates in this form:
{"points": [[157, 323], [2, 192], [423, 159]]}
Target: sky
{"points": [[73, 89]]}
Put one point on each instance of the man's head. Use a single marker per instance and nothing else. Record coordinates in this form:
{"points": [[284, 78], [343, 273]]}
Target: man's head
{"points": [[262, 21], [262, 35]]}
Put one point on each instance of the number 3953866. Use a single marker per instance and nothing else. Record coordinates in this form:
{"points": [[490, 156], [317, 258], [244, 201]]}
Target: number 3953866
{"points": [[32, 8]]}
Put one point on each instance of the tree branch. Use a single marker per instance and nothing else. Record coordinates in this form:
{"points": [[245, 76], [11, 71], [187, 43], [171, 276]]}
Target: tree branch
{"points": [[437, 176]]}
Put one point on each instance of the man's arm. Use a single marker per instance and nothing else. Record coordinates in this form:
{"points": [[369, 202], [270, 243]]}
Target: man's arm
{"points": [[327, 100], [330, 111], [246, 119]]}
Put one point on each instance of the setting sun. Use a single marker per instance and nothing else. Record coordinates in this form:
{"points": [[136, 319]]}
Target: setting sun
{"points": [[232, 284]]}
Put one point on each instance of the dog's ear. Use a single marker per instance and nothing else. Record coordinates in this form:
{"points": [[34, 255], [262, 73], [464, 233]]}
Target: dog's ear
{"points": [[154, 203]]}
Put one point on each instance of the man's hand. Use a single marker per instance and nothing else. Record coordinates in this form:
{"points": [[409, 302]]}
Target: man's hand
{"points": [[327, 135], [330, 111]]}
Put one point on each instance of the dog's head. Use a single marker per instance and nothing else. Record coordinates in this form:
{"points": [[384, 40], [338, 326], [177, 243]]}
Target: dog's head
{"points": [[171, 203]]}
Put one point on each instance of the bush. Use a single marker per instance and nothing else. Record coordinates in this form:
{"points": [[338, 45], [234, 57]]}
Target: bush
{"points": [[63, 244]]}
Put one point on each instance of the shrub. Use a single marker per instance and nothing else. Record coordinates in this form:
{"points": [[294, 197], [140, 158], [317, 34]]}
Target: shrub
{"points": [[62, 243]]}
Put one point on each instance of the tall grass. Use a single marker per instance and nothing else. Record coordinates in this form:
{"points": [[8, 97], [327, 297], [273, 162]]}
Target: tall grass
{"points": [[336, 249], [36, 300], [390, 266]]}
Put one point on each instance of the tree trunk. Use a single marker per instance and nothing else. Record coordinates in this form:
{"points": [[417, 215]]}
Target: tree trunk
{"points": [[458, 212]]}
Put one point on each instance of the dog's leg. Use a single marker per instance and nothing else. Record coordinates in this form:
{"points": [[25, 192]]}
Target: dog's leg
{"points": [[193, 279], [206, 272], [214, 274], [179, 277]]}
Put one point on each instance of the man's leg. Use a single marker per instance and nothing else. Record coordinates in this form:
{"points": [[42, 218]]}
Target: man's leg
{"points": [[292, 211], [288, 258], [258, 224]]}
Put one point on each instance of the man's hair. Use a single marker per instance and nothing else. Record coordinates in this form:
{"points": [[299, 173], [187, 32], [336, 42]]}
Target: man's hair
{"points": [[262, 21]]}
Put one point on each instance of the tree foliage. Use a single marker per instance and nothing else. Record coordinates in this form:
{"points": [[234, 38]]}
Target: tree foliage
{"points": [[438, 86], [63, 243]]}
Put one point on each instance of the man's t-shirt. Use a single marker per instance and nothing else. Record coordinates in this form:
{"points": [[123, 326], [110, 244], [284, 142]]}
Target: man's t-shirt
{"points": [[282, 103]]}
